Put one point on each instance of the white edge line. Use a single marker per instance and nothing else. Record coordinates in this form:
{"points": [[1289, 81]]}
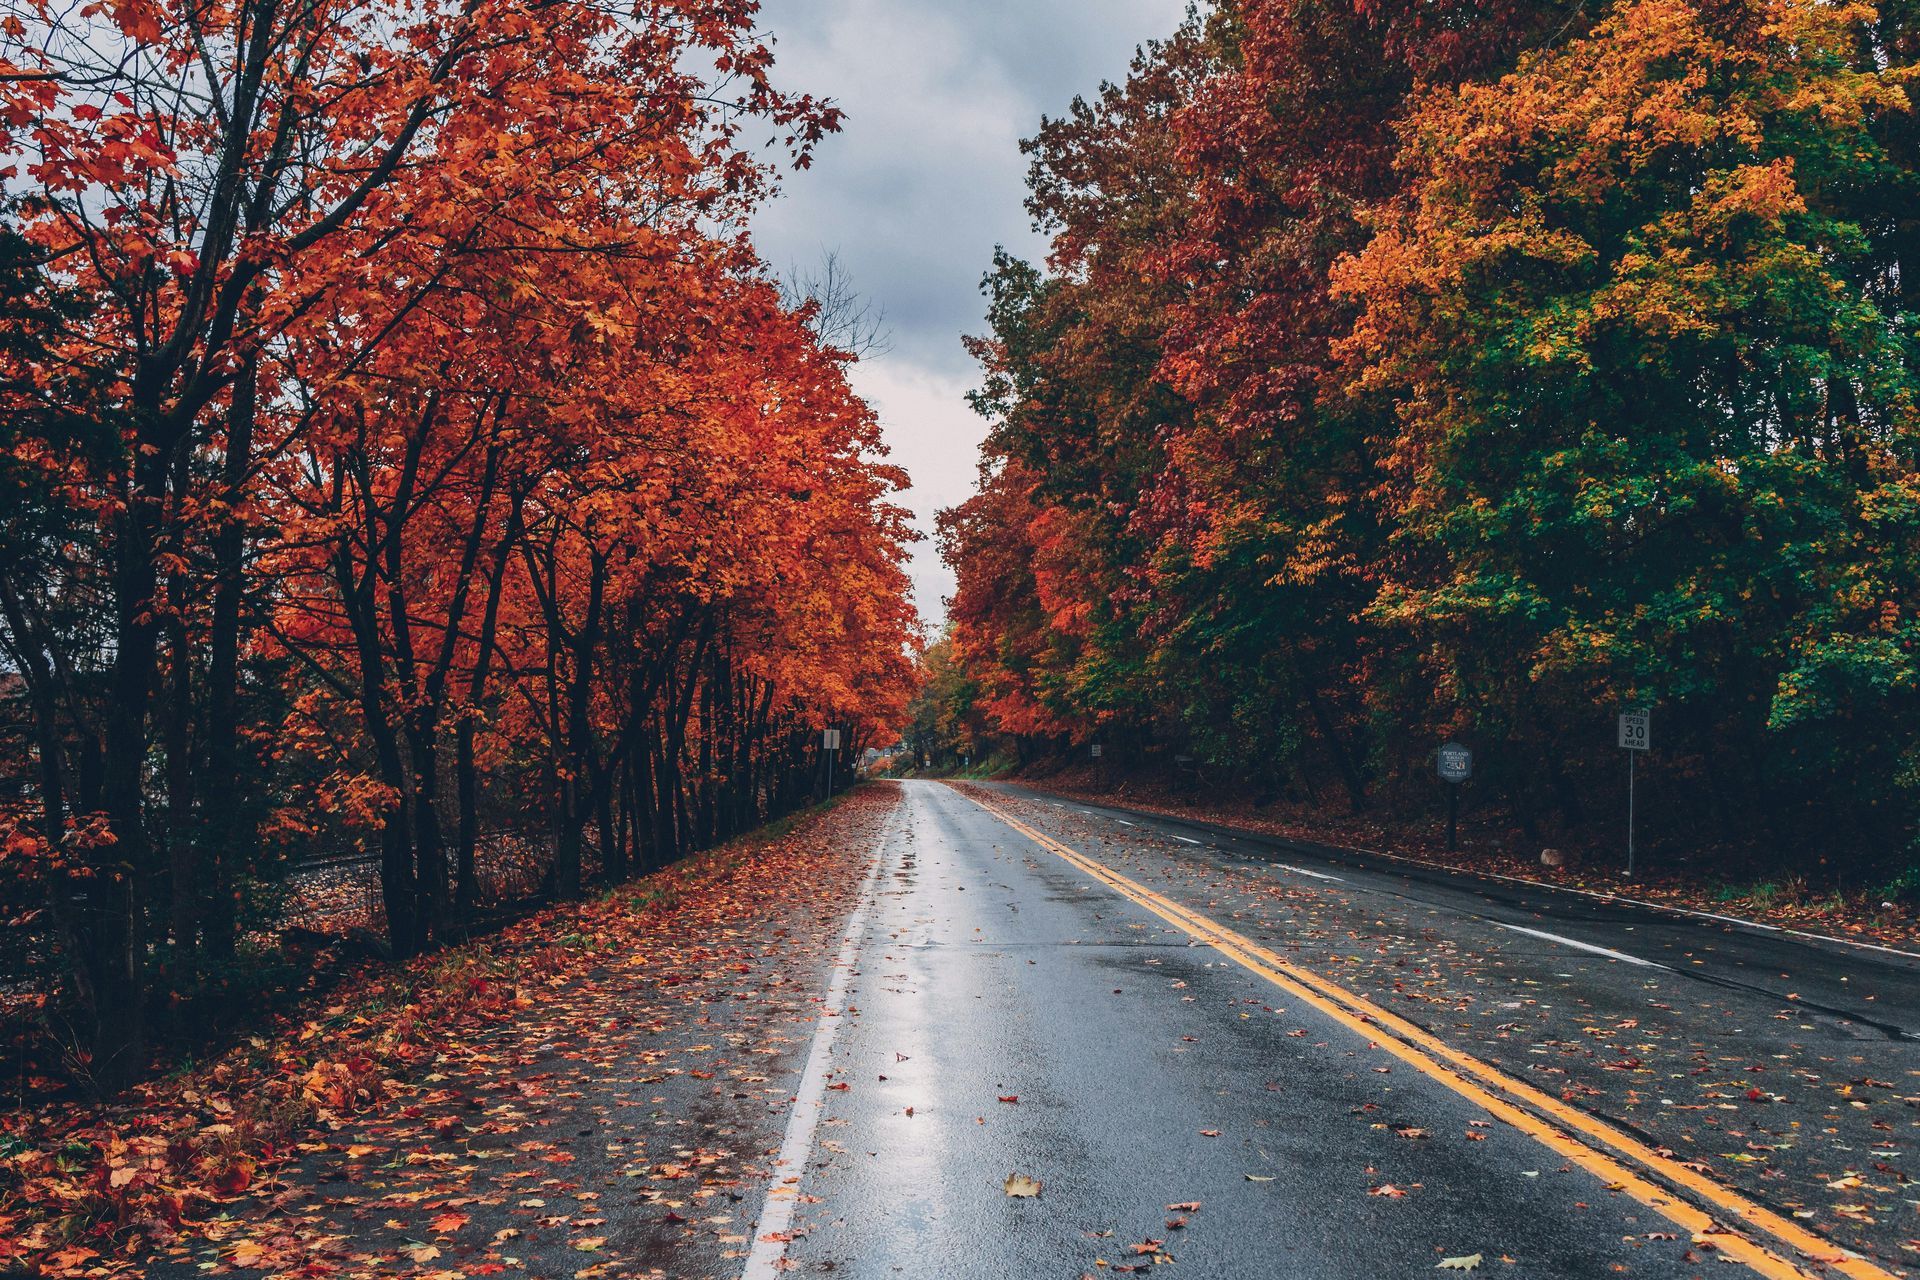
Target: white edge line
{"points": [[1188, 839], [1737, 921], [1123, 822], [1302, 871], [1608, 952], [776, 1212]]}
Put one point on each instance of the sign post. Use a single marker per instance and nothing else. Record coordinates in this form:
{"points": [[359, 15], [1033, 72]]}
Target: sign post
{"points": [[1454, 764], [1635, 737], [830, 743]]}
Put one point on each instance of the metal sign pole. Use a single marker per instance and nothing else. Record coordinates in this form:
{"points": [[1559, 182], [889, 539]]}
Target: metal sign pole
{"points": [[1636, 735], [1454, 764], [1630, 756]]}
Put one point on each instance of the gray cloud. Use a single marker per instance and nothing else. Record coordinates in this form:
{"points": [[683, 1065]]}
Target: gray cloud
{"points": [[925, 179]]}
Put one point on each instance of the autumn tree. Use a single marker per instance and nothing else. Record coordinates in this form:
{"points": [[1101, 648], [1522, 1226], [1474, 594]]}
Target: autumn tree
{"points": [[1654, 439], [1392, 366], [360, 352]]}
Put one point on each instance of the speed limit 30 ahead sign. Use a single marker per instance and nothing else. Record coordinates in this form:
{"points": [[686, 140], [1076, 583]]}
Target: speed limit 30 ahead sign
{"points": [[1634, 733]]}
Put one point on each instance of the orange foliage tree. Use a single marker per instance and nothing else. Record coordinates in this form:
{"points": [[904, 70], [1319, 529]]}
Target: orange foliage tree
{"points": [[1411, 370], [401, 417]]}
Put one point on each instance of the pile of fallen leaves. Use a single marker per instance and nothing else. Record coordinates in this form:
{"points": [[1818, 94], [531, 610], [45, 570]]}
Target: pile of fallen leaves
{"points": [[82, 1185], [77, 1180]]}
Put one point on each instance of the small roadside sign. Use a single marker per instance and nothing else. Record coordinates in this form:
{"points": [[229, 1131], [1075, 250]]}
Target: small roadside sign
{"points": [[830, 748], [1635, 733], [1097, 750]]}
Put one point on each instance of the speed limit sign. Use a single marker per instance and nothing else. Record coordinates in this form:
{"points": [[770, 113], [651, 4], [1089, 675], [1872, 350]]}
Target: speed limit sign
{"points": [[1634, 734]]}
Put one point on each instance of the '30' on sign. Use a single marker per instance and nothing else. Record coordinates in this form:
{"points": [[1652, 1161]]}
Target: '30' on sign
{"points": [[1634, 734]]}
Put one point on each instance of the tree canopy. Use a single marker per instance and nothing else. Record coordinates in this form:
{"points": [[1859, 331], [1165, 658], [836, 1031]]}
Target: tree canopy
{"points": [[1407, 371]]}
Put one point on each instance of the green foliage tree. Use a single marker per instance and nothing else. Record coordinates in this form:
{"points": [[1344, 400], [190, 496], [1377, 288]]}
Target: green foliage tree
{"points": [[1655, 420], [1405, 371]]}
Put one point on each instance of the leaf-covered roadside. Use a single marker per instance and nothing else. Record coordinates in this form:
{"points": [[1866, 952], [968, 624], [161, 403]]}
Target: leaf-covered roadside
{"points": [[176, 1163]]}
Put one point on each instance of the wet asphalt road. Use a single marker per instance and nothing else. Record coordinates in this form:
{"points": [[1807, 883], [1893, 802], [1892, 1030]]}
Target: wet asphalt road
{"points": [[1864, 992], [1151, 1072]]}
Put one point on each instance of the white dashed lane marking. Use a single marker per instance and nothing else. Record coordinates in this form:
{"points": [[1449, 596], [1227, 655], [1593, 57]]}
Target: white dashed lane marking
{"points": [[1608, 952]]}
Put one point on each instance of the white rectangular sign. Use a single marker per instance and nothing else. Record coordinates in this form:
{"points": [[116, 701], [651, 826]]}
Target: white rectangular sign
{"points": [[1634, 733], [830, 739]]}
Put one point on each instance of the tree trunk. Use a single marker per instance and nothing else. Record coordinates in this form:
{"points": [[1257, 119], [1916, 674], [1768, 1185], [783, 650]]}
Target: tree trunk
{"points": [[182, 840], [399, 882], [221, 808], [429, 845], [114, 948], [1337, 748], [466, 786]]}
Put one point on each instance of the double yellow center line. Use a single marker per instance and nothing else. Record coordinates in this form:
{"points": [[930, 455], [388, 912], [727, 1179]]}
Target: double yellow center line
{"points": [[1621, 1161]]}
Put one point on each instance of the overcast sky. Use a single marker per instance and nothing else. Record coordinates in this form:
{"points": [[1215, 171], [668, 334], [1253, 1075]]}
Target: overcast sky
{"points": [[924, 180]]}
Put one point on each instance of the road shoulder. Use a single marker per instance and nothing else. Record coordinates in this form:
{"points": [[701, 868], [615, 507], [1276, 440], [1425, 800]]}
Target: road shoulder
{"points": [[594, 1090], [1882, 928]]}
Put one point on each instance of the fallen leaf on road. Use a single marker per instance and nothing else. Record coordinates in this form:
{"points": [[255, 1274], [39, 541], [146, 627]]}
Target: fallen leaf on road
{"points": [[1468, 1263], [1012, 1097], [1259, 1177], [1186, 1206], [1020, 1185], [1387, 1189]]}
